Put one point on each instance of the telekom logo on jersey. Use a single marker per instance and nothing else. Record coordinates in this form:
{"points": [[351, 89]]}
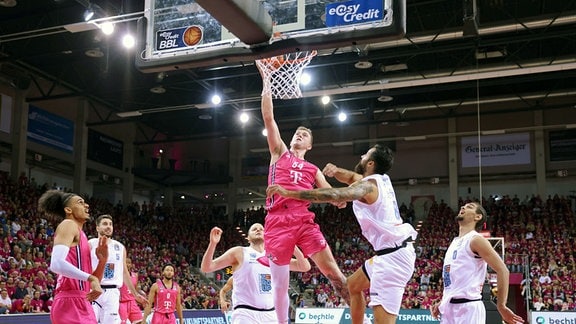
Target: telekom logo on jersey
{"points": [[296, 176]]}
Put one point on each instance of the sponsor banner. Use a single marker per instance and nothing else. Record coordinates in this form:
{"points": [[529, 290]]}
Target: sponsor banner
{"points": [[170, 39], [321, 315], [105, 149], [342, 316], [553, 318], [213, 316], [496, 150], [51, 130], [354, 12]]}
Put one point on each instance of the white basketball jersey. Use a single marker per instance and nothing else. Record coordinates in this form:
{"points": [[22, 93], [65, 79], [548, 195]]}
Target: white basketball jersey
{"points": [[114, 270], [252, 284], [380, 221], [463, 272]]}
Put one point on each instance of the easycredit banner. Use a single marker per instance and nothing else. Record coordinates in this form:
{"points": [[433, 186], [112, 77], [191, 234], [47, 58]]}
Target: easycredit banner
{"points": [[496, 150], [553, 318], [354, 12], [342, 316]]}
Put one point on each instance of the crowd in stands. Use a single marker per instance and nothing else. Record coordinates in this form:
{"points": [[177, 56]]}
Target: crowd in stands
{"points": [[541, 229]]}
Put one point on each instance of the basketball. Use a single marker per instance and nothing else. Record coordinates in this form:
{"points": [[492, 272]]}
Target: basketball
{"points": [[192, 36]]}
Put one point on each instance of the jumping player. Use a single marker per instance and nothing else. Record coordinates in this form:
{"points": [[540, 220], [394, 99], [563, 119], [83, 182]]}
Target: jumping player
{"points": [[376, 209], [289, 223]]}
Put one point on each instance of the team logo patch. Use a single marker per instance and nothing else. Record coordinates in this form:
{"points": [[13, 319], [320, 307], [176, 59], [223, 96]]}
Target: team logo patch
{"points": [[265, 283]]}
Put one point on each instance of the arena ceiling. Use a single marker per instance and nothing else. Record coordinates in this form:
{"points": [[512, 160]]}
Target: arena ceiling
{"points": [[524, 54]]}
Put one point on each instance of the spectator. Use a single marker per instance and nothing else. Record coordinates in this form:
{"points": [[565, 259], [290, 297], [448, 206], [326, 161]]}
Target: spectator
{"points": [[22, 306], [5, 302], [20, 291], [37, 304]]}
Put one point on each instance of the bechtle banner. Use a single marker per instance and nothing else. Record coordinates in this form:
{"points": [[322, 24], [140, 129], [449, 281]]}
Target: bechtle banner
{"points": [[342, 316]]}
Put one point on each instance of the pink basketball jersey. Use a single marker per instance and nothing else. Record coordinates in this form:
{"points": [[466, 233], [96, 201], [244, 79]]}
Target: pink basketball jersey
{"points": [[78, 256], [292, 173], [165, 297]]}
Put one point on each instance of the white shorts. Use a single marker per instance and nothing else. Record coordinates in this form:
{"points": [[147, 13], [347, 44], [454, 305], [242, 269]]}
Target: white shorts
{"points": [[472, 312], [107, 305], [388, 275], [248, 316]]}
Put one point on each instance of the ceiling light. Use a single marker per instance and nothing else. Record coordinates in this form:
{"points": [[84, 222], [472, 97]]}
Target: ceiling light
{"points": [[95, 52], [158, 89], [342, 116], [216, 99], [264, 132], [325, 100], [305, 78], [107, 28], [362, 65], [205, 117], [385, 98], [244, 117], [89, 13], [128, 41]]}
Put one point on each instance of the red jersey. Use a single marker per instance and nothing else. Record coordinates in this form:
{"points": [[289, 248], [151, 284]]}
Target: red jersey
{"points": [[292, 173], [78, 256], [165, 298], [125, 294]]}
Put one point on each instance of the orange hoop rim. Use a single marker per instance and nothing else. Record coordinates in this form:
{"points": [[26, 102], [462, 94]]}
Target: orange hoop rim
{"points": [[280, 59]]}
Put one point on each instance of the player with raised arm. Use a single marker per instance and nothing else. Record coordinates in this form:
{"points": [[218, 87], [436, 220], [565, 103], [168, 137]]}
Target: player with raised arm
{"points": [[77, 285], [289, 223], [252, 294]]}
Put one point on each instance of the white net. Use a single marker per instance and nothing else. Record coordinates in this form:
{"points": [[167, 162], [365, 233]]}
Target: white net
{"points": [[281, 74]]}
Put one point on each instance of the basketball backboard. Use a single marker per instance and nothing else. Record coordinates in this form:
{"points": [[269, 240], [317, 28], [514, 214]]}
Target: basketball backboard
{"points": [[177, 34]]}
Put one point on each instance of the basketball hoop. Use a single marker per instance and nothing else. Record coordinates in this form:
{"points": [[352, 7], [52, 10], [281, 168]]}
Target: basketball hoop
{"points": [[281, 74]]}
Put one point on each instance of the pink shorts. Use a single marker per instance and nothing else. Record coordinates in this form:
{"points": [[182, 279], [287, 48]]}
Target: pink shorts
{"points": [[163, 318], [283, 231], [72, 307], [129, 310]]}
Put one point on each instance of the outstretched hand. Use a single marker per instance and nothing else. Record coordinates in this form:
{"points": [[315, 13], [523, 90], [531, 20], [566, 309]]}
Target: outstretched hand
{"points": [[215, 235], [102, 249]]}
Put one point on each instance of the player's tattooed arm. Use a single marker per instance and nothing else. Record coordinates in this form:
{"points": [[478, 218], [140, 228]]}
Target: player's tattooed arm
{"points": [[354, 192]]}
